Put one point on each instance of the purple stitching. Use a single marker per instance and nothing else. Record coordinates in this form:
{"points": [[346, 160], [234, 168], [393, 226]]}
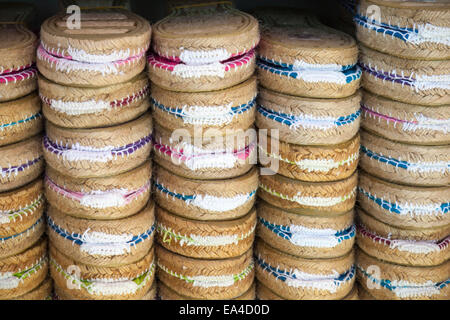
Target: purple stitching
{"points": [[21, 167], [387, 75]]}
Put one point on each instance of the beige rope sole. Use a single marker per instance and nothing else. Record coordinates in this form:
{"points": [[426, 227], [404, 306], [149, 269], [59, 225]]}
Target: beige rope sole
{"points": [[116, 136], [406, 123], [431, 96], [405, 14], [135, 225], [23, 262], [269, 216], [422, 278], [75, 107], [308, 132], [311, 163], [166, 293], [402, 246], [405, 163], [21, 163], [211, 195], [20, 119], [92, 287], [205, 239], [190, 277], [310, 197], [136, 181], [42, 292], [310, 290], [212, 103], [403, 206]]}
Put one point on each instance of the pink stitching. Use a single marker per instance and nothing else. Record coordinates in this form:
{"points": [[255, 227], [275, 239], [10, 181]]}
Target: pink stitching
{"points": [[19, 76]]}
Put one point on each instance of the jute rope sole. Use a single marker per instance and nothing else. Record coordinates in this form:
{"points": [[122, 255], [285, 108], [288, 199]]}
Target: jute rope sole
{"points": [[20, 119], [363, 294], [18, 46], [214, 111], [205, 279], [306, 121], [104, 243], [42, 292], [407, 123], [396, 282], [74, 107], [310, 197], [205, 157], [21, 163], [405, 28], [416, 247], [310, 163], [61, 294], [205, 239], [208, 200], [298, 279], [198, 49], [109, 49], [104, 198], [292, 60], [100, 152], [405, 163], [265, 294], [166, 293], [305, 236], [409, 81], [403, 206], [127, 282], [23, 272], [21, 218]]}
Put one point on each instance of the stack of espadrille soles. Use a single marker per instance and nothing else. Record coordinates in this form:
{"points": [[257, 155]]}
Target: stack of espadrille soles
{"points": [[23, 248], [404, 187], [309, 107], [97, 147], [203, 99]]}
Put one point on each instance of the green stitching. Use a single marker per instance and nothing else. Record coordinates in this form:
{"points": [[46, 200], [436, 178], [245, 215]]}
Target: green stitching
{"points": [[22, 275], [141, 280], [12, 215], [236, 277]]}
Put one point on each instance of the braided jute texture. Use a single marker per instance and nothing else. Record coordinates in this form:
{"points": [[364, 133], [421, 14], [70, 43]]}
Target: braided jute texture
{"points": [[205, 157], [169, 189], [316, 120], [165, 293], [93, 282], [211, 109], [278, 227], [20, 211], [103, 32], [24, 83], [96, 4], [403, 206], [406, 14], [408, 123], [61, 294], [415, 247], [264, 293], [398, 79], [42, 292], [20, 119], [21, 163], [311, 42], [106, 198], [89, 251], [19, 264], [205, 279], [405, 163], [308, 197], [311, 163], [205, 239], [410, 283], [108, 138], [75, 107], [313, 269], [18, 50]]}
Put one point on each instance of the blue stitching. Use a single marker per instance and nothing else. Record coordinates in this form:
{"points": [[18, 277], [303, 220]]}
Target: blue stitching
{"points": [[33, 117], [76, 238], [396, 31], [285, 231], [17, 235]]}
